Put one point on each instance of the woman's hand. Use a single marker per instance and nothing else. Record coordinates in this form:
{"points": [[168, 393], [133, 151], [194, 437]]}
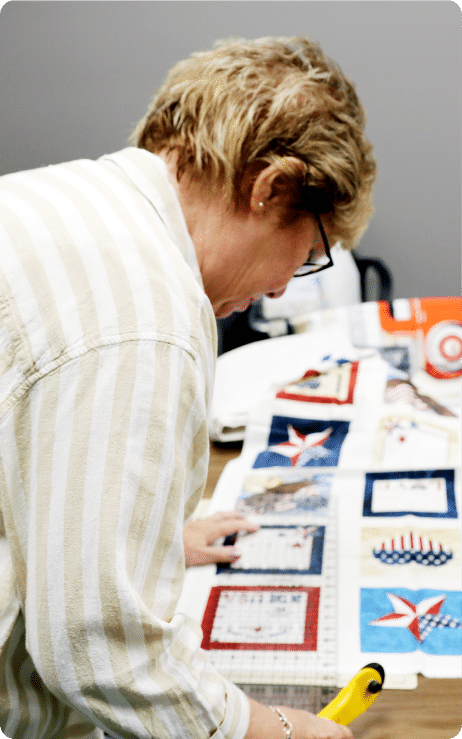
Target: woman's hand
{"points": [[199, 537]]}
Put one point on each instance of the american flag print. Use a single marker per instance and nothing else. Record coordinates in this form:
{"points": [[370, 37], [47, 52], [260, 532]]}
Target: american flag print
{"points": [[412, 547]]}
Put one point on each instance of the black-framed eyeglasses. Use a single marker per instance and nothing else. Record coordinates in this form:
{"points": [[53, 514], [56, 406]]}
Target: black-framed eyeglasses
{"points": [[322, 262]]}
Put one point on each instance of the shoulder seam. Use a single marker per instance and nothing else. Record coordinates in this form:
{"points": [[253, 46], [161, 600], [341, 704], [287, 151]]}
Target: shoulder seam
{"points": [[82, 349]]}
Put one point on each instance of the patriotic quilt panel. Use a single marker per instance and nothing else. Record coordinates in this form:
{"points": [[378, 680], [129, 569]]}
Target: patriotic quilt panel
{"points": [[261, 618], [278, 550], [402, 620], [286, 493], [428, 493], [294, 442]]}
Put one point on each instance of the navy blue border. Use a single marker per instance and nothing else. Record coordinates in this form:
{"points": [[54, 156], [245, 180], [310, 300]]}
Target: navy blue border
{"points": [[315, 564], [448, 475], [279, 433]]}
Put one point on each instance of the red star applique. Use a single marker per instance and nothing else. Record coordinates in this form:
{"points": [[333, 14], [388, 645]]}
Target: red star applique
{"points": [[407, 614], [298, 443]]}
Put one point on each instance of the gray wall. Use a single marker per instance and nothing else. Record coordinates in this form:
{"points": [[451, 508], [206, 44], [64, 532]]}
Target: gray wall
{"points": [[76, 76]]}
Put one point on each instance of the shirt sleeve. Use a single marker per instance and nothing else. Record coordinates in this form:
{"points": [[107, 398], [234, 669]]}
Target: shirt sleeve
{"points": [[118, 459]]}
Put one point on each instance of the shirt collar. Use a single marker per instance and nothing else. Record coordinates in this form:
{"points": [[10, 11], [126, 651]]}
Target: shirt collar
{"points": [[148, 172]]}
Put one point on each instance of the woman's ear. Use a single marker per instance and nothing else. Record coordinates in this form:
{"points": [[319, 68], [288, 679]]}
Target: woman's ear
{"points": [[275, 185]]}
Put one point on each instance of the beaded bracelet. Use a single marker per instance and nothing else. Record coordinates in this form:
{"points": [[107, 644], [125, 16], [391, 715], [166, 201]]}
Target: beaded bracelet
{"points": [[286, 724]]}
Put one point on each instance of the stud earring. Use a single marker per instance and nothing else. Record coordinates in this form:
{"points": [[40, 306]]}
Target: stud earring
{"points": [[262, 205]]}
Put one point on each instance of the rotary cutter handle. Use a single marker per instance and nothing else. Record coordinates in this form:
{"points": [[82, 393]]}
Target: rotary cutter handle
{"points": [[355, 697]]}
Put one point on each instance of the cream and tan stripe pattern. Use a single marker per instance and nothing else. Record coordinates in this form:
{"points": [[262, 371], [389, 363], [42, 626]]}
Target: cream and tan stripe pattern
{"points": [[107, 345]]}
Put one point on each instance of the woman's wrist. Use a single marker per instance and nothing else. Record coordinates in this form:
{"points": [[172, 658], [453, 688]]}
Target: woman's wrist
{"points": [[266, 723], [287, 726]]}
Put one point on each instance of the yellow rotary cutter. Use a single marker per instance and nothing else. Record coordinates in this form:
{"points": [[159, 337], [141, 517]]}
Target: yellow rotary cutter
{"points": [[355, 697]]}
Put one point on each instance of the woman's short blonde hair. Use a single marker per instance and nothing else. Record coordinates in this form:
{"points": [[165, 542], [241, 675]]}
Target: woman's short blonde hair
{"points": [[260, 101]]}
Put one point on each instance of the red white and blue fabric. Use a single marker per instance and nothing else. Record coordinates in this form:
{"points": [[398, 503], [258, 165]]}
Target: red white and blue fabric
{"points": [[424, 619]]}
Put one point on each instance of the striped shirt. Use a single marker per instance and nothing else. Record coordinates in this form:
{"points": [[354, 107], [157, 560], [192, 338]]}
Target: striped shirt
{"points": [[107, 347]]}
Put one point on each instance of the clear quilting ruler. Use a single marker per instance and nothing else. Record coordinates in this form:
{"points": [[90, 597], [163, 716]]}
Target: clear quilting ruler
{"points": [[269, 630]]}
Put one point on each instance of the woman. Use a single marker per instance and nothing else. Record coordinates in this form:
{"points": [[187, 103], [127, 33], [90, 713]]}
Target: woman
{"points": [[250, 160]]}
